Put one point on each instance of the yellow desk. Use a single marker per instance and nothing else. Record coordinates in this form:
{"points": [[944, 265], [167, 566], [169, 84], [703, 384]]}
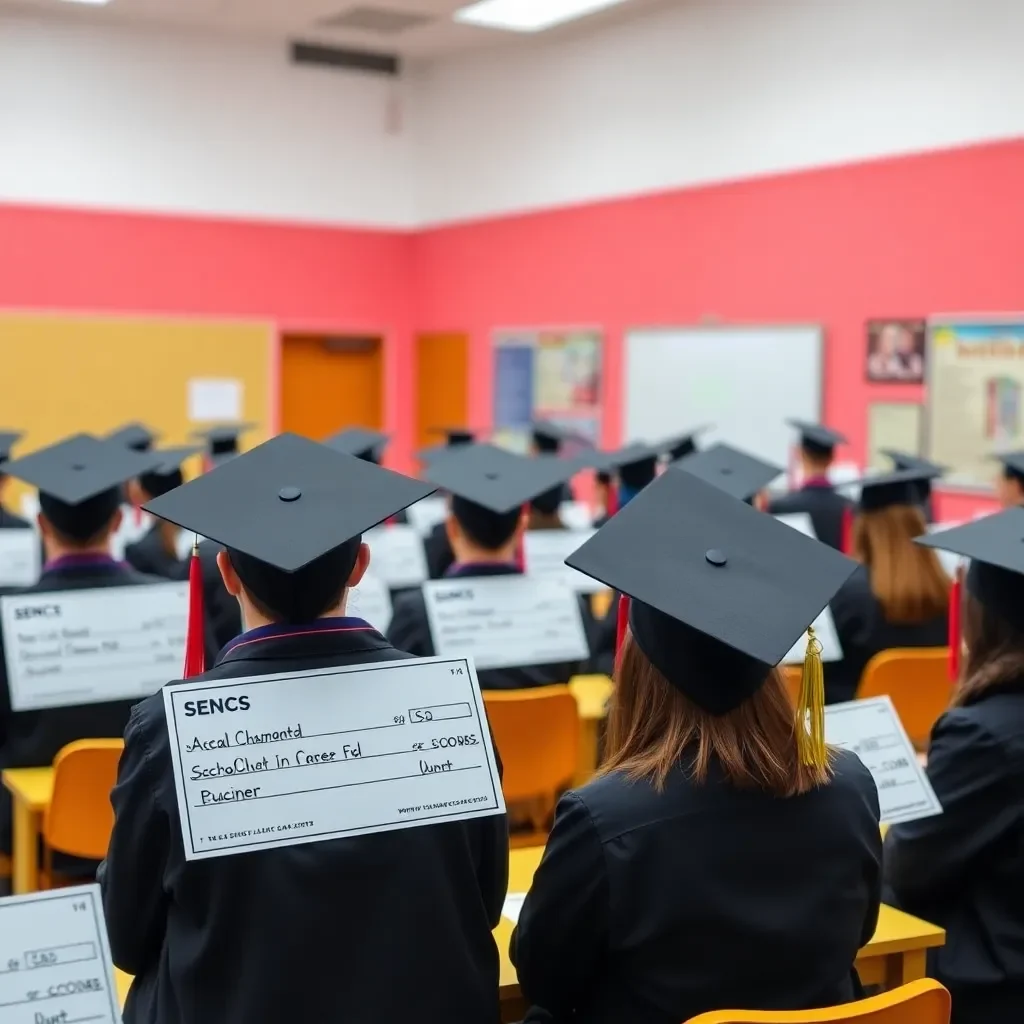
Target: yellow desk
{"points": [[31, 790], [591, 693]]}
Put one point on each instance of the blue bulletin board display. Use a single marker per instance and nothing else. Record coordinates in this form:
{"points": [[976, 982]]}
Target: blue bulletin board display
{"points": [[547, 373]]}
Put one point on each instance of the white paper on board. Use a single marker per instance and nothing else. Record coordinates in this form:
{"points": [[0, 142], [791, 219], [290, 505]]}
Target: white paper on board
{"points": [[544, 555], [798, 521], [20, 558], [371, 601], [426, 514], [505, 621], [575, 515], [55, 963], [397, 555], [872, 729], [277, 760], [86, 646], [513, 906], [214, 399], [828, 637]]}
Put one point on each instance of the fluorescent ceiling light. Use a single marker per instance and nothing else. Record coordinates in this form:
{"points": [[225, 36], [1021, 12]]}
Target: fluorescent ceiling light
{"points": [[91, 3], [528, 15]]}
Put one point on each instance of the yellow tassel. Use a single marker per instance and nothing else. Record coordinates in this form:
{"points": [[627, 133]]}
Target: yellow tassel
{"points": [[810, 709]]}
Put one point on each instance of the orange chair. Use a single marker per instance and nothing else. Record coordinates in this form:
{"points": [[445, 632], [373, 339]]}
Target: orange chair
{"points": [[920, 1002], [79, 820], [536, 732], [917, 680], [793, 676]]}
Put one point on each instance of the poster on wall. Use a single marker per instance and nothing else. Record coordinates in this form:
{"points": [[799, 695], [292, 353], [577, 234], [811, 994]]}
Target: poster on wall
{"points": [[896, 350], [975, 387], [894, 426], [547, 373]]}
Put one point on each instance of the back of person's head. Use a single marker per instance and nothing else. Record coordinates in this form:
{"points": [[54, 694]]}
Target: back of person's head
{"points": [[653, 727], [908, 580], [547, 504], [484, 528], [85, 525], [995, 652]]}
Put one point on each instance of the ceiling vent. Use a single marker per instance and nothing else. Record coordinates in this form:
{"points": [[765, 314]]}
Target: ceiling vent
{"points": [[384, 21]]}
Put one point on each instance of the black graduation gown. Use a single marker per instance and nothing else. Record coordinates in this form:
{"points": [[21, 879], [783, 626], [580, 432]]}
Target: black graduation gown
{"points": [[440, 557], [223, 616], [654, 907], [31, 739], [823, 505], [410, 631], [148, 555], [863, 632], [962, 869], [388, 927]]}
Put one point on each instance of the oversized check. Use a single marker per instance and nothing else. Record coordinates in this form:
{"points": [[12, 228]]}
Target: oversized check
{"points": [[397, 556], [544, 555], [277, 760], [20, 558], [55, 965], [426, 514], [87, 646], [505, 621], [872, 729]]}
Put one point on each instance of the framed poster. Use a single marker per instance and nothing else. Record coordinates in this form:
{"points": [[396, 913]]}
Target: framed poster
{"points": [[975, 394], [547, 373], [895, 351]]}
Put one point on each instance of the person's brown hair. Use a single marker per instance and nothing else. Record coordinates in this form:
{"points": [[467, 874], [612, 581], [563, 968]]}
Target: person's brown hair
{"points": [[652, 727], [907, 579], [995, 653]]}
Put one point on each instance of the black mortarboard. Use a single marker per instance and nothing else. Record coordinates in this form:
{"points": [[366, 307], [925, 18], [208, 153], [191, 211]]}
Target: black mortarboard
{"points": [[290, 512], [360, 442], [166, 474], [222, 439], [1013, 464], [455, 437], [903, 487], [137, 436], [490, 485], [681, 445], [8, 439], [905, 460], [79, 480], [817, 439], [548, 437], [636, 464], [720, 592], [738, 474], [995, 546]]}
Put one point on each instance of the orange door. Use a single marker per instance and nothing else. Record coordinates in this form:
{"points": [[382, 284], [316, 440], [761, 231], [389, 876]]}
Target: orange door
{"points": [[328, 383], [442, 387]]}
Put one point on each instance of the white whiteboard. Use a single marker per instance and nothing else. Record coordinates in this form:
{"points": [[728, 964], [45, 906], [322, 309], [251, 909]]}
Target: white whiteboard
{"points": [[745, 380]]}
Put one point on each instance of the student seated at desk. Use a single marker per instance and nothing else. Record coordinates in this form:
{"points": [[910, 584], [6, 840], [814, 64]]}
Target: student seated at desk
{"points": [[485, 524], [79, 481], [900, 598], [724, 857], [156, 551], [393, 926], [962, 868], [817, 496]]}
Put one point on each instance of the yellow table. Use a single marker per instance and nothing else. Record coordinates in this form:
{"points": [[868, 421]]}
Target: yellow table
{"points": [[31, 790], [591, 693]]}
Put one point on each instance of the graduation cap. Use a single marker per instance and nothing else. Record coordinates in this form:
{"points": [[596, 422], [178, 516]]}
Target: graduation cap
{"points": [[902, 487], [222, 439], [816, 439], [166, 474], [719, 592], [1013, 464], [548, 437], [489, 487], [636, 464], [79, 480], [455, 437], [360, 442], [8, 439], [136, 436], [681, 445], [290, 513], [736, 473]]}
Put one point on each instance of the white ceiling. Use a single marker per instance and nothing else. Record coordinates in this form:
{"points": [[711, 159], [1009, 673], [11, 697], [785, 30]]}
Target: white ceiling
{"points": [[433, 34]]}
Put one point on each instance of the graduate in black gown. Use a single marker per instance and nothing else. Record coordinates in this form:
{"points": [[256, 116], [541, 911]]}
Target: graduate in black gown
{"points": [[900, 595], [156, 551], [962, 868], [391, 926], [485, 525], [8, 520], [1010, 479], [436, 547], [724, 857], [817, 497], [80, 488]]}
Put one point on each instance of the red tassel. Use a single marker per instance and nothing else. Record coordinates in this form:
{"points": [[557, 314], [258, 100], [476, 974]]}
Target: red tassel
{"points": [[520, 558], [138, 515], [954, 627], [847, 531], [621, 622], [613, 500], [195, 645]]}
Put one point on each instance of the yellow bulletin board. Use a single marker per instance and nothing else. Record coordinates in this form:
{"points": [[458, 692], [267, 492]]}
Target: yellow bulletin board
{"points": [[64, 374]]}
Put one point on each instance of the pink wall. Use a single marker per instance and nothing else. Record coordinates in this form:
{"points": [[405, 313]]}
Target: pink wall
{"points": [[934, 233]]}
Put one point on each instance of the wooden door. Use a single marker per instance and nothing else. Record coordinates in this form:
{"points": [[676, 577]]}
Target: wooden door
{"points": [[328, 383], [442, 385]]}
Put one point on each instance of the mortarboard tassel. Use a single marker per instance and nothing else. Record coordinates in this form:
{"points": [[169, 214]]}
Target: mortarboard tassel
{"points": [[195, 641], [846, 541], [621, 622], [520, 558], [810, 709], [954, 626], [613, 500]]}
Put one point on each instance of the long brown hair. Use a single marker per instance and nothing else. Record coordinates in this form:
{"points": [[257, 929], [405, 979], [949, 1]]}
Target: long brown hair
{"points": [[995, 653], [652, 726], [907, 579]]}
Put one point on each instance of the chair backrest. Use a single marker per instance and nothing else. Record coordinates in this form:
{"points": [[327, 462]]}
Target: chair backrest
{"points": [[80, 818], [793, 676], [919, 1002], [537, 735], [917, 680]]}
